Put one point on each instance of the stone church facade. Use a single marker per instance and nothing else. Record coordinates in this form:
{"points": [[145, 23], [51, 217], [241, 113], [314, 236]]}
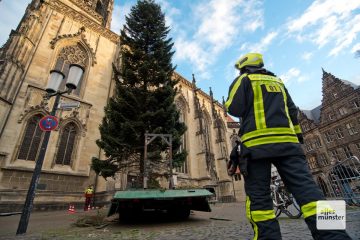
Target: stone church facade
{"points": [[331, 130], [52, 35]]}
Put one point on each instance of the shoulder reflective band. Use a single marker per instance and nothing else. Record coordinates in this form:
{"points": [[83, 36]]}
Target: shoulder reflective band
{"points": [[262, 77], [248, 215], [297, 128], [262, 215], [309, 209], [271, 139], [258, 105], [267, 131], [233, 91]]}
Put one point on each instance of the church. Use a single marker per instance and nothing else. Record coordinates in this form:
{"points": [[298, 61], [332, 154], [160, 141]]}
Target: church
{"points": [[52, 35]]}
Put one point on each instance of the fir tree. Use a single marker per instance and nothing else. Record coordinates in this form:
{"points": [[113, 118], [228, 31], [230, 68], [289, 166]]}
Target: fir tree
{"points": [[144, 96]]}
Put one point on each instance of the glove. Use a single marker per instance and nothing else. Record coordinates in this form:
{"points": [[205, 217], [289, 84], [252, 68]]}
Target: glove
{"points": [[243, 160], [243, 166]]}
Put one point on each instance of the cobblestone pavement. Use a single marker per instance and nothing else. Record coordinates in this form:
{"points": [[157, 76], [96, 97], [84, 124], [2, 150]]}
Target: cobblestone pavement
{"points": [[226, 221]]}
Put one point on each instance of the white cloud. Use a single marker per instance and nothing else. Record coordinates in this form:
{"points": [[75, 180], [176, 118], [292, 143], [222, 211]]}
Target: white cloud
{"points": [[293, 74], [351, 29], [261, 46], [322, 9], [193, 52], [307, 56], [170, 11], [355, 47], [11, 14], [118, 16], [217, 24], [333, 22]]}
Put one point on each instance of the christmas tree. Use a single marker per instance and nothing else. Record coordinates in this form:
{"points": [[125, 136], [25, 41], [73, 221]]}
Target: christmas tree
{"points": [[143, 100]]}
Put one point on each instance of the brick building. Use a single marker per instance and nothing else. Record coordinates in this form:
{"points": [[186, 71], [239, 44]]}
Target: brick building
{"points": [[331, 130]]}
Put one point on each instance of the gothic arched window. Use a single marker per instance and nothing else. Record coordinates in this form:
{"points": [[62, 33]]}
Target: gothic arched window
{"points": [[99, 8], [207, 133], [68, 55], [184, 167], [67, 144], [32, 139]]}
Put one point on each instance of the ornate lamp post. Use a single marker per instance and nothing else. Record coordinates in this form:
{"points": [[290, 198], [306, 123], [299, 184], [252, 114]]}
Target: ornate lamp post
{"points": [[56, 77]]}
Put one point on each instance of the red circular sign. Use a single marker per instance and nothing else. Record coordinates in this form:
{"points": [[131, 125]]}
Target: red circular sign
{"points": [[48, 123]]}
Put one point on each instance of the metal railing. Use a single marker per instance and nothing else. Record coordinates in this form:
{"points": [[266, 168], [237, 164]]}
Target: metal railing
{"points": [[341, 181]]}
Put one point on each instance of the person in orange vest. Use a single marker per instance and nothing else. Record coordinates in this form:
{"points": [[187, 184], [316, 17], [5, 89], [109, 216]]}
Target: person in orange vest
{"points": [[89, 193]]}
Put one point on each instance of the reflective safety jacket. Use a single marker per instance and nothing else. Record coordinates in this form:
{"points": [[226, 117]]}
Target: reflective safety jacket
{"points": [[89, 191], [269, 126]]}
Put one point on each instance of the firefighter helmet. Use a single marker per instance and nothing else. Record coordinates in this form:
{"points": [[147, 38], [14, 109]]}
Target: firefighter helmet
{"points": [[250, 59]]}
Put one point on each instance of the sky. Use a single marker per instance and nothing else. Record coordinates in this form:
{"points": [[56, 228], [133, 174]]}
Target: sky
{"points": [[297, 39]]}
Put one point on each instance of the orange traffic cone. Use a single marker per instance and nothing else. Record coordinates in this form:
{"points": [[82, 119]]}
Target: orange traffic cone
{"points": [[71, 209]]}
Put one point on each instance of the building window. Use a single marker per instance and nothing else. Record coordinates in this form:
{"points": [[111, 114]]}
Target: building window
{"points": [[347, 151], [342, 111], [350, 127], [32, 139], [339, 133], [309, 146], [335, 154], [67, 144], [74, 54], [312, 162], [323, 160], [357, 147], [328, 137], [183, 168], [331, 116], [305, 127], [356, 103], [317, 142]]}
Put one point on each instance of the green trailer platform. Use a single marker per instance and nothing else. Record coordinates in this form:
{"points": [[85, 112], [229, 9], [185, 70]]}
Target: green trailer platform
{"points": [[177, 203]]}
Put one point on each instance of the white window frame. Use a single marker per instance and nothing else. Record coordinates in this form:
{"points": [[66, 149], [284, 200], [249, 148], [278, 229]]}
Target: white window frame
{"points": [[339, 133], [351, 128]]}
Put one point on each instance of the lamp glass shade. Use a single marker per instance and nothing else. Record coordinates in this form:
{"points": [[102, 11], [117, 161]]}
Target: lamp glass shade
{"points": [[75, 74], [56, 77]]}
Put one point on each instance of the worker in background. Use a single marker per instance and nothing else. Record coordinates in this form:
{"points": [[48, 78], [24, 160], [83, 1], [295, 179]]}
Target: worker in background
{"points": [[270, 133], [89, 193]]}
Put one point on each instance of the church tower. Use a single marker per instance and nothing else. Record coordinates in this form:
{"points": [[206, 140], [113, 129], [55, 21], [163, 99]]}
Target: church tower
{"points": [[52, 35]]}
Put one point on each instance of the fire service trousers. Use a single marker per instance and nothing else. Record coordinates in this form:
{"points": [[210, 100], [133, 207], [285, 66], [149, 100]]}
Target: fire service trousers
{"points": [[298, 180]]}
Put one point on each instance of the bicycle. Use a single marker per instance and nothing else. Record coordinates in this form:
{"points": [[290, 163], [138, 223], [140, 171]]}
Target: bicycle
{"points": [[283, 201]]}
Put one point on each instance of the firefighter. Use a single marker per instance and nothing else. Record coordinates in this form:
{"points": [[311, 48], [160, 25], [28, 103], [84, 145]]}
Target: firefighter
{"points": [[89, 192], [271, 134]]}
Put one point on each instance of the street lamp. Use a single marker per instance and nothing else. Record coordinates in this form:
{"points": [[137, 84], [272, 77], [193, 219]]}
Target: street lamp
{"points": [[56, 77]]}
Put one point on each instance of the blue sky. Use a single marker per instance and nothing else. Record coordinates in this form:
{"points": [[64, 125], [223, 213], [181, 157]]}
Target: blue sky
{"points": [[297, 39]]}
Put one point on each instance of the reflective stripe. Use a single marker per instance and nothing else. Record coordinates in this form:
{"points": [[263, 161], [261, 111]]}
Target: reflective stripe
{"points": [[309, 209], [248, 215], [261, 77], [259, 111], [262, 215], [233, 90], [297, 129], [286, 107], [266, 131], [271, 139]]}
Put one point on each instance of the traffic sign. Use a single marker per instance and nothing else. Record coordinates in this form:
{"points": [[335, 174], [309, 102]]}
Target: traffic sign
{"points": [[48, 123], [69, 105]]}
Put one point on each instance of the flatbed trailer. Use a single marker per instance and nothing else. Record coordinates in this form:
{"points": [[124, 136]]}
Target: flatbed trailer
{"points": [[176, 202]]}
